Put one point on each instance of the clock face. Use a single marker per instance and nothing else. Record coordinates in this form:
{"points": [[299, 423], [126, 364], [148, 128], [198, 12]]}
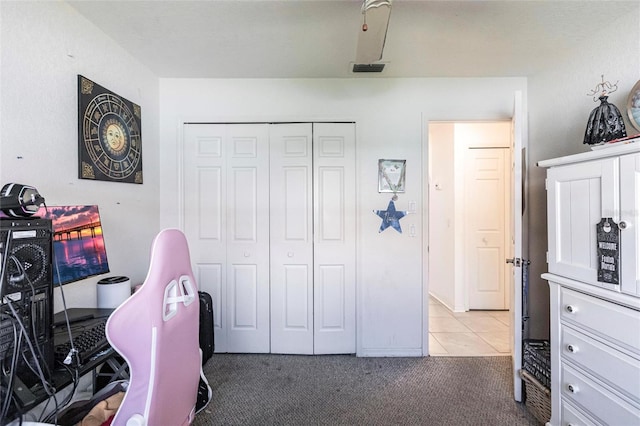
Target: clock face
{"points": [[109, 133]]}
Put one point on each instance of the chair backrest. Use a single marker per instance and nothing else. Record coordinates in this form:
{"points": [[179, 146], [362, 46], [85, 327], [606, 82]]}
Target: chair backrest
{"points": [[156, 332]]}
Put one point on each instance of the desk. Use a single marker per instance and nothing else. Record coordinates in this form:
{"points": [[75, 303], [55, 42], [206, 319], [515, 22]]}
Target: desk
{"points": [[62, 375], [80, 314]]}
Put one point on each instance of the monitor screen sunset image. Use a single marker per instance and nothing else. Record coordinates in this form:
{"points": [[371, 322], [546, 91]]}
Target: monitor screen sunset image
{"points": [[78, 243]]}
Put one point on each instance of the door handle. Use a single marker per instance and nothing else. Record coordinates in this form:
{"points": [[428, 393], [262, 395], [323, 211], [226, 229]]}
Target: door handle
{"points": [[516, 261]]}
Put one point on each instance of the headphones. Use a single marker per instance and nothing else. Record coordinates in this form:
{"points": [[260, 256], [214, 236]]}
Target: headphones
{"points": [[19, 200]]}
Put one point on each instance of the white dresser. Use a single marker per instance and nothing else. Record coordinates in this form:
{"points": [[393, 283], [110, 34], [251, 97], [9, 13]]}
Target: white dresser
{"points": [[595, 325]]}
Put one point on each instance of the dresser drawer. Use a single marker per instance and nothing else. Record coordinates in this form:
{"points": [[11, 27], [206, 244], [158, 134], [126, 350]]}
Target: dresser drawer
{"points": [[620, 371], [613, 322], [596, 400], [572, 416]]}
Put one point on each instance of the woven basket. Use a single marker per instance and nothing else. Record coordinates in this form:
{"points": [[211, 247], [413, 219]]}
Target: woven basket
{"points": [[537, 360], [537, 397]]}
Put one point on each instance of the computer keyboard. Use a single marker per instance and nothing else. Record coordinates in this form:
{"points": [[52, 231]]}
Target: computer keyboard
{"points": [[87, 343]]}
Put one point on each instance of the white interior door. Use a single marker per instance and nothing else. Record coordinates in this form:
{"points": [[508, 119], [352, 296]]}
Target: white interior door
{"points": [[334, 238], [519, 234], [226, 195], [291, 221], [487, 211]]}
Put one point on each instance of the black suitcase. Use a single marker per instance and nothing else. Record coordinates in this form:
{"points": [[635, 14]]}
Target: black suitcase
{"points": [[206, 326]]}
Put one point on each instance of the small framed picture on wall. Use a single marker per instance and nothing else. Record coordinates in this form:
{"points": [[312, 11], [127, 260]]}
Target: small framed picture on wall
{"points": [[391, 175]]}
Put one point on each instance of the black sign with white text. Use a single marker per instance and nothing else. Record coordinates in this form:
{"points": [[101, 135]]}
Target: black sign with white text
{"points": [[608, 245]]}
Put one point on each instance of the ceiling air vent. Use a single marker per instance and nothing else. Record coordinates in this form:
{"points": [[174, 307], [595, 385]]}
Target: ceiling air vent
{"points": [[368, 67]]}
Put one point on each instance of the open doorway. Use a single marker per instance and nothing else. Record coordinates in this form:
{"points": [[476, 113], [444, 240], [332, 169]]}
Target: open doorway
{"points": [[469, 238]]}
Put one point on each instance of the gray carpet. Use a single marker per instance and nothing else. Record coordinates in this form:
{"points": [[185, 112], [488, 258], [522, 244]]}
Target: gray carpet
{"points": [[345, 390]]}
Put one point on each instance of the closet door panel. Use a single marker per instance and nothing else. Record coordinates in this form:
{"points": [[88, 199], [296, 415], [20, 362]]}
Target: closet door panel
{"points": [[331, 204], [331, 315], [291, 238], [243, 202], [244, 298], [209, 209], [334, 237], [204, 193], [247, 207]]}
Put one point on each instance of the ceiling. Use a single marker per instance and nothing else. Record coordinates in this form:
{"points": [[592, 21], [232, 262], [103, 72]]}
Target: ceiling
{"points": [[318, 38]]}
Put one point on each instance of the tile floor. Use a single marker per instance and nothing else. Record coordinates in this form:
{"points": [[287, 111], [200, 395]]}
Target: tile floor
{"points": [[473, 333]]}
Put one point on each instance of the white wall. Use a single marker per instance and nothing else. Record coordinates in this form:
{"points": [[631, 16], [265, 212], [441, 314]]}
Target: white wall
{"points": [[441, 218], [44, 46], [390, 116], [558, 112]]}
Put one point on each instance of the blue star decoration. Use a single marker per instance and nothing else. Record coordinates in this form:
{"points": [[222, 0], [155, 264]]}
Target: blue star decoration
{"points": [[390, 217]]}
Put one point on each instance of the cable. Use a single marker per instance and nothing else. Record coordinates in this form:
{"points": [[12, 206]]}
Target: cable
{"points": [[75, 379], [17, 341], [4, 259], [17, 338], [73, 352], [71, 357], [53, 415], [46, 385], [39, 355]]}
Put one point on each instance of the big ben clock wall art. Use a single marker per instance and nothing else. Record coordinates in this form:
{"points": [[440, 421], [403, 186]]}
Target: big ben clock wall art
{"points": [[109, 136]]}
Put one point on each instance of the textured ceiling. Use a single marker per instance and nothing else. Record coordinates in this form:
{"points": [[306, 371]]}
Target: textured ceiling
{"points": [[317, 39]]}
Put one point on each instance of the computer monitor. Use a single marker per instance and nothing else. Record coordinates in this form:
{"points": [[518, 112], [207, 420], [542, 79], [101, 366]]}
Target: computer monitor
{"points": [[78, 245]]}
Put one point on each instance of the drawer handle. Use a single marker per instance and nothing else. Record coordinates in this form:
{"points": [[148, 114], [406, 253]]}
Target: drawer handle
{"points": [[572, 348], [571, 309], [572, 388]]}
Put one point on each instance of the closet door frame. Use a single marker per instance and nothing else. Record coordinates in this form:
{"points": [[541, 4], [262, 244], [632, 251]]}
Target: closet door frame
{"points": [[181, 216]]}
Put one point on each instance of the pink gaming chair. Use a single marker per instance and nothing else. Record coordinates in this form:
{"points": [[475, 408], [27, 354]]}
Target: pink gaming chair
{"points": [[156, 332]]}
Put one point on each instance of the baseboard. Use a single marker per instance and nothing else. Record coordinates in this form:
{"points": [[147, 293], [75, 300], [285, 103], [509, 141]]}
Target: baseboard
{"points": [[390, 352]]}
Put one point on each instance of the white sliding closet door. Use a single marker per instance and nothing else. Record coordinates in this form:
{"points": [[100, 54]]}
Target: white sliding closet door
{"points": [[334, 294], [291, 238], [269, 212], [226, 200]]}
